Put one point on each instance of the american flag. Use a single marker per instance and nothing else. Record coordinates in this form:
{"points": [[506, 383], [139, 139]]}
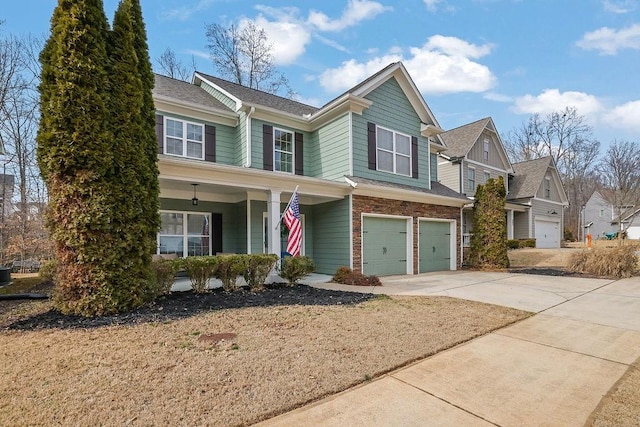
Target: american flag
{"points": [[292, 221]]}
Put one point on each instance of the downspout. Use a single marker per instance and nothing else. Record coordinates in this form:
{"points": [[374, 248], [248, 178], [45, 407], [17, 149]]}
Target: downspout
{"points": [[248, 128]]}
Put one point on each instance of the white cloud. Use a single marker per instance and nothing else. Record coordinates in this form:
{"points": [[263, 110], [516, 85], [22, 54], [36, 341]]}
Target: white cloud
{"points": [[608, 41], [498, 97], [199, 54], [551, 100], [625, 116], [332, 43], [432, 5], [184, 13], [356, 11], [619, 6], [442, 65], [435, 5], [288, 37]]}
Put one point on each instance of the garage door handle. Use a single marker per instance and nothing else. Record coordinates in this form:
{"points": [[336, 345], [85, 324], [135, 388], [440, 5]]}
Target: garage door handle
{"points": [[402, 260]]}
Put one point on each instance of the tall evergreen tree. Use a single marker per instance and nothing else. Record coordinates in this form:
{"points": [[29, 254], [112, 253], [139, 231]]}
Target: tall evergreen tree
{"points": [[147, 135], [489, 239]]}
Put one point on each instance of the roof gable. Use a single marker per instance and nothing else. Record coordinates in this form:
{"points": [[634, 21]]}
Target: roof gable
{"points": [[528, 177], [181, 92]]}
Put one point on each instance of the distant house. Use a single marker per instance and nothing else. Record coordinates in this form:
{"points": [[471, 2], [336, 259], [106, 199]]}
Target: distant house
{"points": [[603, 219], [535, 195], [537, 185], [364, 165], [7, 184]]}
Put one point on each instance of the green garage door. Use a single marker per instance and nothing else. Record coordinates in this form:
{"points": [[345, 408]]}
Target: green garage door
{"points": [[435, 246], [384, 246]]}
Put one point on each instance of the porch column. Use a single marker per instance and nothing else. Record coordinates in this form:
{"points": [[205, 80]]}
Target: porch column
{"points": [[273, 217], [510, 224]]}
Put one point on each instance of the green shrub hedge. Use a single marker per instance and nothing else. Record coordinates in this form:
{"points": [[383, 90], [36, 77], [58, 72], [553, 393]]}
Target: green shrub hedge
{"points": [[521, 243], [295, 268]]}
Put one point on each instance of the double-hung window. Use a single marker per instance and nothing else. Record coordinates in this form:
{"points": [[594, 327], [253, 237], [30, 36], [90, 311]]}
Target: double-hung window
{"points": [[547, 188], [485, 149], [393, 152], [282, 150], [180, 230], [471, 179], [184, 139]]}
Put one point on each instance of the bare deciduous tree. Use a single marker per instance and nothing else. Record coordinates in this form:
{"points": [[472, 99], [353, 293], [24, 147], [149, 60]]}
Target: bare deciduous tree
{"points": [[172, 67], [619, 181], [243, 55], [566, 137]]}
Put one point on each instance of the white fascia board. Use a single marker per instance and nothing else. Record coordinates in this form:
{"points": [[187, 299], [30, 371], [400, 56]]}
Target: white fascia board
{"points": [[238, 101], [370, 190], [170, 105]]}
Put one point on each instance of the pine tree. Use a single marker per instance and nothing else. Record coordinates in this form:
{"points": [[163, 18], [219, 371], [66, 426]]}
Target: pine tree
{"points": [[489, 239]]}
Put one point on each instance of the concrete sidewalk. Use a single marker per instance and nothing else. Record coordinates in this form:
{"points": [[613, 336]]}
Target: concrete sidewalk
{"points": [[550, 369]]}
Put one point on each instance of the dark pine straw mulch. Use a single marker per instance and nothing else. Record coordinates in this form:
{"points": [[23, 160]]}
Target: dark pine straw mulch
{"points": [[178, 305]]}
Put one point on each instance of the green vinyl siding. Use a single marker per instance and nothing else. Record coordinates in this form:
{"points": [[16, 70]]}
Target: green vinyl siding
{"points": [[257, 143], [219, 96], [433, 165], [328, 151], [331, 238], [226, 137], [392, 110], [259, 208], [234, 223]]}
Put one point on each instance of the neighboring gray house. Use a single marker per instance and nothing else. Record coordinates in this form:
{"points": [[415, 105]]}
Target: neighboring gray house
{"points": [[536, 184], [602, 218], [474, 154], [7, 184]]}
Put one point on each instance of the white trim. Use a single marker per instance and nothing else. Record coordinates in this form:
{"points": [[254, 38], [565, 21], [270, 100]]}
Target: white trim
{"points": [[248, 222], [248, 141], [304, 234], [475, 180], [237, 101], [184, 137], [409, 241], [548, 201], [165, 105], [453, 254], [350, 143], [351, 232], [484, 165]]}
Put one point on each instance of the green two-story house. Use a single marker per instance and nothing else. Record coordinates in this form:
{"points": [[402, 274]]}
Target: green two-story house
{"points": [[364, 164]]}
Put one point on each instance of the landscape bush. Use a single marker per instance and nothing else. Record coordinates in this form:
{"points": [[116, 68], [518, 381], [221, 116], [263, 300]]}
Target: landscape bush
{"points": [[48, 270], [257, 268], [164, 271], [228, 268], [521, 243], [607, 262], [346, 276], [295, 268], [200, 269]]}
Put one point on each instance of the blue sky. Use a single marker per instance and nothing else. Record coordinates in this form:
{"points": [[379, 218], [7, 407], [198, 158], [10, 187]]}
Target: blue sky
{"points": [[470, 58]]}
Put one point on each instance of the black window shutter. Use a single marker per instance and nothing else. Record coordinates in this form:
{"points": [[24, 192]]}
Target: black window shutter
{"points": [[299, 154], [160, 132], [414, 157], [267, 147], [371, 142], [210, 143], [216, 233]]}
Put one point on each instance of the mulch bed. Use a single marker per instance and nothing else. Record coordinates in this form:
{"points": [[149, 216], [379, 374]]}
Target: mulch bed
{"points": [[178, 305]]}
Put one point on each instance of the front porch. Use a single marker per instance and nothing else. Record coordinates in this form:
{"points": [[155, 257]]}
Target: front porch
{"points": [[516, 215]]}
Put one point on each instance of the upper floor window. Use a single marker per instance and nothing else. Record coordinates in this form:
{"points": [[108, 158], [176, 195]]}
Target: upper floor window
{"points": [[471, 179], [487, 176], [282, 150], [184, 139], [393, 152], [547, 188], [485, 149]]}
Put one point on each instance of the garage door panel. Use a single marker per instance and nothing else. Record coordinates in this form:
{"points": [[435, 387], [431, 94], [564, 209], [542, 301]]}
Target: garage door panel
{"points": [[384, 246], [435, 246], [547, 234]]}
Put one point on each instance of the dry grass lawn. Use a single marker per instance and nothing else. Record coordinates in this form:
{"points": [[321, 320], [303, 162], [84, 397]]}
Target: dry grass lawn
{"points": [[621, 408], [282, 357]]}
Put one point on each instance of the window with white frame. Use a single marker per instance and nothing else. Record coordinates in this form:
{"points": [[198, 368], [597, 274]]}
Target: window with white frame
{"points": [[184, 139], [180, 230], [393, 152], [282, 150], [471, 179], [487, 176], [485, 149], [547, 188]]}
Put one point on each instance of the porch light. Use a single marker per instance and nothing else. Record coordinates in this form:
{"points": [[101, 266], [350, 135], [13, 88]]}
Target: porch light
{"points": [[194, 201]]}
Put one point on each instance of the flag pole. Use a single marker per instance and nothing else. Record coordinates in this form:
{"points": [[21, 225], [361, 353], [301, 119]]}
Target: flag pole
{"points": [[287, 207]]}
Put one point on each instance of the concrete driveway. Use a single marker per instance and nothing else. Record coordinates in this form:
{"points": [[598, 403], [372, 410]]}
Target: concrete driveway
{"points": [[550, 369]]}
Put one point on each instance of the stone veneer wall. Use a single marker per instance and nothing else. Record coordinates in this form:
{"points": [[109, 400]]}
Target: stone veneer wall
{"points": [[377, 205]]}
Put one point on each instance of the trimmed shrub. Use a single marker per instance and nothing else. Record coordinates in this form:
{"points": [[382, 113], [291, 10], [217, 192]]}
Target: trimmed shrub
{"points": [[295, 268], [528, 243], [228, 268], [257, 269], [608, 262], [48, 270], [199, 269], [513, 244], [164, 272], [341, 273]]}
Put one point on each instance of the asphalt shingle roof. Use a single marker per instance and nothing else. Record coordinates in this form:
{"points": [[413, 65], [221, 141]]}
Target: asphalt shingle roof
{"points": [[460, 140], [528, 177], [185, 92], [436, 188], [258, 97]]}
